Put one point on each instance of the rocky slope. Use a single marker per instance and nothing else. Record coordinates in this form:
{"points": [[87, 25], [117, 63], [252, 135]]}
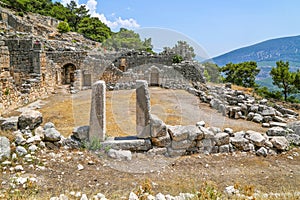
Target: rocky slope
{"points": [[44, 29]]}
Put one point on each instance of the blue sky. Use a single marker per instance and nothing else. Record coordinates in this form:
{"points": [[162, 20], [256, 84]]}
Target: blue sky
{"points": [[216, 26]]}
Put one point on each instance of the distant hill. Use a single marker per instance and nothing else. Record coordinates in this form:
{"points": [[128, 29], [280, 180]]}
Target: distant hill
{"points": [[287, 48], [266, 54]]}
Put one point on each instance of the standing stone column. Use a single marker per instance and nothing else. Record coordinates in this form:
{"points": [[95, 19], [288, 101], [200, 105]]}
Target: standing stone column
{"points": [[98, 113], [142, 109], [78, 79]]}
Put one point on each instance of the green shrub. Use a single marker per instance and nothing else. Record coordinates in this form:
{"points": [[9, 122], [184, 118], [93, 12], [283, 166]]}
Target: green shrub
{"points": [[63, 27], [177, 59], [93, 145], [21, 14], [266, 93]]}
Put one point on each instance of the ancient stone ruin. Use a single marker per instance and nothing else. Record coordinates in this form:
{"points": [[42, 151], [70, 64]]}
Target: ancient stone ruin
{"points": [[153, 135], [35, 61], [97, 128]]}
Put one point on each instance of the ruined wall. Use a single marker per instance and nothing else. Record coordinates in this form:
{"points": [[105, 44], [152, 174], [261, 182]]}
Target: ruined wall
{"points": [[26, 74], [93, 69], [64, 57], [13, 96], [191, 70], [133, 59], [46, 20], [4, 58], [15, 23], [24, 55]]}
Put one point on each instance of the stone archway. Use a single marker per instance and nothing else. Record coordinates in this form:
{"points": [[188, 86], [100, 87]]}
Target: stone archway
{"points": [[68, 73]]}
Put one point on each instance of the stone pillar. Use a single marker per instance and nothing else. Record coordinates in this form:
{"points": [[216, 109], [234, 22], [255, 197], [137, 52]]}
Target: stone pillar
{"points": [[78, 79], [142, 109], [98, 113]]}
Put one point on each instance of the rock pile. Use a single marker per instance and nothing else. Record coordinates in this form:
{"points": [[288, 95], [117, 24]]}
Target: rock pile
{"points": [[181, 140], [238, 105], [184, 140], [132, 196], [29, 136]]}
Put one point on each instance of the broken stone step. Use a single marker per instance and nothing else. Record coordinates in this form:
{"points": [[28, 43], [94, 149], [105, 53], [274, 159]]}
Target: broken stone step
{"points": [[127, 144]]}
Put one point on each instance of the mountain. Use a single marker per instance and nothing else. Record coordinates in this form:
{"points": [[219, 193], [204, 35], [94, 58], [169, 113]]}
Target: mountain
{"points": [[266, 54]]}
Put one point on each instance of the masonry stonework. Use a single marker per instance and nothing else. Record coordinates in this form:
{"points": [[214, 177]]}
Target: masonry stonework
{"points": [[142, 109], [98, 114]]}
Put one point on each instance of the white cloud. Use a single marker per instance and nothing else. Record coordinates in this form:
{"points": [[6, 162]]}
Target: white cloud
{"points": [[65, 2], [116, 23], [92, 5]]}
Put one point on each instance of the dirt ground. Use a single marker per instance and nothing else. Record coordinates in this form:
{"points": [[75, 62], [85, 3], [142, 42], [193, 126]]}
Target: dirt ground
{"points": [[116, 179], [174, 107]]}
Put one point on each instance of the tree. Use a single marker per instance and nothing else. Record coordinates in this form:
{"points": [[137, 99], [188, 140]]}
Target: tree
{"points": [[128, 39], [77, 14], [63, 27], [266, 93], [94, 29], [147, 45], [297, 79], [58, 11], [212, 72], [283, 78], [19, 5], [207, 76], [242, 74], [183, 49]]}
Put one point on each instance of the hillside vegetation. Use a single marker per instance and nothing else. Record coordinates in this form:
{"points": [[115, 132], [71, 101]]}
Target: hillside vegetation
{"points": [[75, 18]]}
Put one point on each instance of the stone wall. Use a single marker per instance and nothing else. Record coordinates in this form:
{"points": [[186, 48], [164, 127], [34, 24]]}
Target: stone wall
{"points": [[64, 57], [157, 70], [4, 58], [15, 23], [46, 20], [24, 55], [92, 70], [133, 59], [13, 96], [26, 74]]}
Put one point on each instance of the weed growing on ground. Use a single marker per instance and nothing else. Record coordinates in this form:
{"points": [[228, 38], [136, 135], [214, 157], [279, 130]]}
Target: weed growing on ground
{"points": [[94, 145], [208, 191], [8, 134], [144, 189]]}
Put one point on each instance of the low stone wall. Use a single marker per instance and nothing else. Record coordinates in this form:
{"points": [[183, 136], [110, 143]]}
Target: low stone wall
{"points": [[156, 137], [184, 140], [238, 105]]}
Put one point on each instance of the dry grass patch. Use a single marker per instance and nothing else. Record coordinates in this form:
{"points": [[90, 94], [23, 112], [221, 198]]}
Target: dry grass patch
{"points": [[61, 114], [248, 91], [8, 134]]}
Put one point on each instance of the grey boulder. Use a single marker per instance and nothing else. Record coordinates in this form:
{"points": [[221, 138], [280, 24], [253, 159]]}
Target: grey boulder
{"points": [[4, 148], [276, 131], [295, 126], [52, 135], [30, 118], [256, 138], [119, 154], [280, 143], [81, 133]]}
